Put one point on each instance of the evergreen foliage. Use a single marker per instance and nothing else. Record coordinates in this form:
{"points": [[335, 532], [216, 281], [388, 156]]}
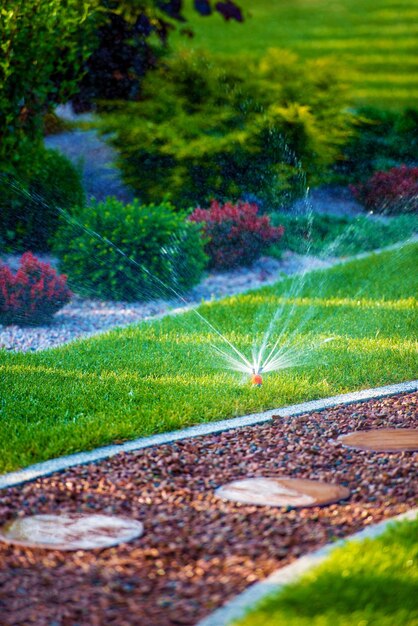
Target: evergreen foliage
{"points": [[30, 199], [230, 128], [157, 244], [43, 47]]}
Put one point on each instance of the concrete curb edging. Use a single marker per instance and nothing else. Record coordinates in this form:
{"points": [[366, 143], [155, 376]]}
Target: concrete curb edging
{"points": [[46, 468], [248, 599]]}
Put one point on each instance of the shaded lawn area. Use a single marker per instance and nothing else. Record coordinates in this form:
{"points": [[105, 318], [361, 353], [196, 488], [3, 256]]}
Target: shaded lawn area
{"points": [[372, 582], [164, 375], [332, 235], [377, 42]]}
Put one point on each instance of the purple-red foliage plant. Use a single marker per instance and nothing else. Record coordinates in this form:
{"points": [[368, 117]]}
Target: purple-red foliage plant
{"points": [[236, 235], [394, 191], [33, 294]]}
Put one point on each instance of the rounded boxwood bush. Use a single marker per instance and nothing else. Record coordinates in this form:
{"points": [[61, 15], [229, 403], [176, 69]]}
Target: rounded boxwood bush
{"points": [[131, 251], [32, 196]]}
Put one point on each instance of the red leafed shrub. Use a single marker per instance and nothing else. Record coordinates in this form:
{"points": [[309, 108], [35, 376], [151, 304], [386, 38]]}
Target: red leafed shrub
{"points": [[235, 234], [394, 191], [32, 295]]}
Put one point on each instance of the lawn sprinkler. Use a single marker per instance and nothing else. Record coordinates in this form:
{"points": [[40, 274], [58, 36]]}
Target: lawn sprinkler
{"points": [[256, 378]]}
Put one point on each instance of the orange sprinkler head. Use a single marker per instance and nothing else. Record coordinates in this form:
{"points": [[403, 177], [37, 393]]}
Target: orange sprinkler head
{"points": [[256, 380]]}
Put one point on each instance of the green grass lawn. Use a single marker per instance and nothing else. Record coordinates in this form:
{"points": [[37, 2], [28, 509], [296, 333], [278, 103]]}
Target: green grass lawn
{"points": [[367, 583], [378, 40], [331, 235], [163, 375]]}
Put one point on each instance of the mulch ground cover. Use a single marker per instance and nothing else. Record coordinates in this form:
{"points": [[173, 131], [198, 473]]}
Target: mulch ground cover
{"points": [[197, 550]]}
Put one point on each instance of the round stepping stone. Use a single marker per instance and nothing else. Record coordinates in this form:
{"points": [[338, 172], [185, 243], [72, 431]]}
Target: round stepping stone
{"points": [[382, 440], [70, 532], [282, 491]]}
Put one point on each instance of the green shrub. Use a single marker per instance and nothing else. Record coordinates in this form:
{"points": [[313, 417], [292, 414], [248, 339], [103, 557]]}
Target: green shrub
{"points": [[382, 139], [29, 202], [236, 235], [43, 48], [135, 248], [230, 128]]}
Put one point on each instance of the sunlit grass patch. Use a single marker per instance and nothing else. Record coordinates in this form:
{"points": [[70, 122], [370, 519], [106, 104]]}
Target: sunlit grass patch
{"points": [[354, 31], [367, 583], [164, 375]]}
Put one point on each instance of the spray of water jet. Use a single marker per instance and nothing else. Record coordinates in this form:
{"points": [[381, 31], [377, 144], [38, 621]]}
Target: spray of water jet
{"points": [[267, 355], [240, 358]]}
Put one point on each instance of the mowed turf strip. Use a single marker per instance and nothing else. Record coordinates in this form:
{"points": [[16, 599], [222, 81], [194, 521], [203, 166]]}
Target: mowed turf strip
{"points": [[375, 42], [371, 582], [164, 375], [198, 551]]}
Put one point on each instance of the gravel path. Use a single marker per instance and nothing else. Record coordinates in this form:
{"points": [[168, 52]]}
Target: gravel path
{"points": [[197, 551], [95, 158], [83, 318]]}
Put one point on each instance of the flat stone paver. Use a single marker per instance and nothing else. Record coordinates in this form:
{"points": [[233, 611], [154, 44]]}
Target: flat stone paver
{"points": [[382, 440]]}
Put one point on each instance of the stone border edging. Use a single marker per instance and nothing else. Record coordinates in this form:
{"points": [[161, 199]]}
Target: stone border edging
{"points": [[46, 468], [248, 599]]}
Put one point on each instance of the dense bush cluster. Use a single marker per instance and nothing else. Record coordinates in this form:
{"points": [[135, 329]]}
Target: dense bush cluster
{"points": [[31, 200], [131, 37], [382, 139], [33, 294], [248, 132], [43, 48], [207, 127], [137, 250], [394, 191], [236, 235]]}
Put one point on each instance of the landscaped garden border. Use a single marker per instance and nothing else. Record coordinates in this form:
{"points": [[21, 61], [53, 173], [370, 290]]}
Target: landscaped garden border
{"points": [[122, 393], [198, 551], [248, 599], [47, 468]]}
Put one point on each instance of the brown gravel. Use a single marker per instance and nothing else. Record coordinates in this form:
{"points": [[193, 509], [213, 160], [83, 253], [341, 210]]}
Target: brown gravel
{"points": [[198, 551]]}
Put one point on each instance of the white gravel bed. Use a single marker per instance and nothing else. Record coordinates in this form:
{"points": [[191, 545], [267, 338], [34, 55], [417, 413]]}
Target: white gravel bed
{"points": [[84, 317]]}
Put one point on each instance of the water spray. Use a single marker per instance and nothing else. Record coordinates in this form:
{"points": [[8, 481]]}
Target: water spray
{"points": [[278, 356]]}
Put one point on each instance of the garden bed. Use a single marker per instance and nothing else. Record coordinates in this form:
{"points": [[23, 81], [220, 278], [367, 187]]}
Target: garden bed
{"points": [[84, 317], [198, 551], [163, 375]]}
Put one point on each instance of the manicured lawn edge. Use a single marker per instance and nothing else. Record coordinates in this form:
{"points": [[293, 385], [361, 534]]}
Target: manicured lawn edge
{"points": [[46, 468], [165, 376], [241, 604]]}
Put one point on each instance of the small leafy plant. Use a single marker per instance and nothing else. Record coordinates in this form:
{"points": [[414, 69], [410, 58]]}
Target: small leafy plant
{"points": [[32, 295], [130, 252], [236, 235], [394, 191]]}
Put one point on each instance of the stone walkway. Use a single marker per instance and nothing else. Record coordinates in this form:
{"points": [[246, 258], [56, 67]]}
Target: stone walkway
{"points": [[197, 550], [85, 149]]}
